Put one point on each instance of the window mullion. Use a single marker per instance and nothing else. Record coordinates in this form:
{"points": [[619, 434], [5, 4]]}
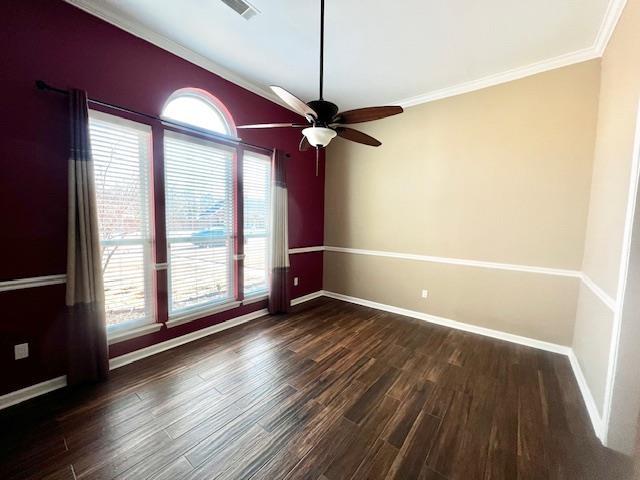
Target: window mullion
{"points": [[160, 244], [238, 223]]}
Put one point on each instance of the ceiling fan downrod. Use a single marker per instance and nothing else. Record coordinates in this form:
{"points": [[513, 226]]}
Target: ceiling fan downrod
{"points": [[324, 120], [321, 46]]}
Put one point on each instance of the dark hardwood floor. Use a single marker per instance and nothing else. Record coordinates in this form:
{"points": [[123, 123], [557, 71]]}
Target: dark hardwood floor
{"points": [[332, 391]]}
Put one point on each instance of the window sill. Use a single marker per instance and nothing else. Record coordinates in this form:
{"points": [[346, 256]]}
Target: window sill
{"points": [[255, 298], [191, 316], [128, 334]]}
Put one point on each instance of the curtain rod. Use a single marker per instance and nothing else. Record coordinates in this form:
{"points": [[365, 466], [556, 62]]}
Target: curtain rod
{"points": [[41, 85]]}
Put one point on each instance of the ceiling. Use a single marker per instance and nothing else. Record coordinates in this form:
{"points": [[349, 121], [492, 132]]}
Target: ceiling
{"points": [[376, 51]]}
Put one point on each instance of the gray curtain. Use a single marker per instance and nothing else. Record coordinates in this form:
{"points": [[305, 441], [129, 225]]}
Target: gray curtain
{"points": [[279, 297], [88, 359]]}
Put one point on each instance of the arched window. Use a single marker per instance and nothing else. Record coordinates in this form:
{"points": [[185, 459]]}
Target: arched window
{"points": [[200, 109]]}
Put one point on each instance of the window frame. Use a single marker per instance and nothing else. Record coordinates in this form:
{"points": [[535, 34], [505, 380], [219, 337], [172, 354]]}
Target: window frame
{"points": [[262, 293], [215, 104], [150, 284], [157, 261], [232, 299]]}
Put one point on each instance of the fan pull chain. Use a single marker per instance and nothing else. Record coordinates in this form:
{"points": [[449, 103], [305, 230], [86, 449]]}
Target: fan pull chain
{"points": [[317, 159]]}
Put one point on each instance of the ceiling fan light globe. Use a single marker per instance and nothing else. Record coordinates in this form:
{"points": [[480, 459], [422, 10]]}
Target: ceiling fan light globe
{"points": [[319, 136]]}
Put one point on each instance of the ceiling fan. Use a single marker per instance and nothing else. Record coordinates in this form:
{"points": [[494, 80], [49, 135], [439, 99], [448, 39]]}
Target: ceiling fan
{"points": [[324, 122]]}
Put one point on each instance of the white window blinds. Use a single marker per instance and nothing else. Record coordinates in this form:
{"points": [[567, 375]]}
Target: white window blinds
{"points": [[257, 212], [122, 165], [199, 213]]}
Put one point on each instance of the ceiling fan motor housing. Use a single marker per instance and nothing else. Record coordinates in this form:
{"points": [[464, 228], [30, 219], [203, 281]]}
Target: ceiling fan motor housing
{"points": [[326, 111]]}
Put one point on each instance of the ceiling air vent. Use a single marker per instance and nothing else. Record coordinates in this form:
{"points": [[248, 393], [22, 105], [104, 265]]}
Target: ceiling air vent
{"points": [[242, 8]]}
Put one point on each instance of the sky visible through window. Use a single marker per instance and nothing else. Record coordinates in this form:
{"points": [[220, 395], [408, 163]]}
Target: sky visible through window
{"points": [[196, 111]]}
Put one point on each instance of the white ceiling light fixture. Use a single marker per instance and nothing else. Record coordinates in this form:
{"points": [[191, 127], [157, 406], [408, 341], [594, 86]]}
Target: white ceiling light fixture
{"points": [[319, 137]]}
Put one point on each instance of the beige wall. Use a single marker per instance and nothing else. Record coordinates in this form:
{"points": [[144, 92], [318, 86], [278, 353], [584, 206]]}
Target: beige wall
{"points": [[618, 108], [530, 305], [591, 342], [617, 113], [502, 174]]}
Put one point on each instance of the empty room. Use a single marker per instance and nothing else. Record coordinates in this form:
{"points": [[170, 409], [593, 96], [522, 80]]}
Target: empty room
{"points": [[320, 239]]}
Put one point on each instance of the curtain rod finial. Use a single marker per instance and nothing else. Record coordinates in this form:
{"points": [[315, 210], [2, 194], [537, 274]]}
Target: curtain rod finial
{"points": [[41, 85]]}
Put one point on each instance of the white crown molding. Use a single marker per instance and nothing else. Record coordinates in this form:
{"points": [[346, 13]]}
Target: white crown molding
{"points": [[609, 22], [499, 78], [294, 251], [459, 261], [608, 25], [32, 282], [140, 31]]}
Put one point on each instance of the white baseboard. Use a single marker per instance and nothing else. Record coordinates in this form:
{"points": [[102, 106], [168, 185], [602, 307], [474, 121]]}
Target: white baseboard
{"points": [[590, 403], [128, 358], [32, 282], [136, 355], [306, 298], [592, 409], [32, 391], [59, 382], [487, 332]]}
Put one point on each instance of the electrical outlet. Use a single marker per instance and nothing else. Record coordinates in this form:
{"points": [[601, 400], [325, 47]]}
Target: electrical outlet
{"points": [[425, 293], [295, 281], [21, 351]]}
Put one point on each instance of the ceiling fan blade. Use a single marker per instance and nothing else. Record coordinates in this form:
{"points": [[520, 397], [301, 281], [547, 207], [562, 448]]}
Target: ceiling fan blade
{"points": [[272, 125], [294, 102], [357, 136], [366, 114], [304, 144]]}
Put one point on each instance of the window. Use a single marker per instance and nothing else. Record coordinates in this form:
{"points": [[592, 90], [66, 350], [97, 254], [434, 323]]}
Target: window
{"points": [[199, 213], [257, 209], [121, 155], [203, 215], [197, 108]]}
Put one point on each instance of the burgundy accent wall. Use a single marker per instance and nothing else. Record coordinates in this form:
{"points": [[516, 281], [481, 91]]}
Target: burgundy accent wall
{"points": [[55, 42]]}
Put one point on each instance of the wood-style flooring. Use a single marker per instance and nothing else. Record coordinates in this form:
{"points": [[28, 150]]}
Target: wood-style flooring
{"points": [[332, 391]]}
